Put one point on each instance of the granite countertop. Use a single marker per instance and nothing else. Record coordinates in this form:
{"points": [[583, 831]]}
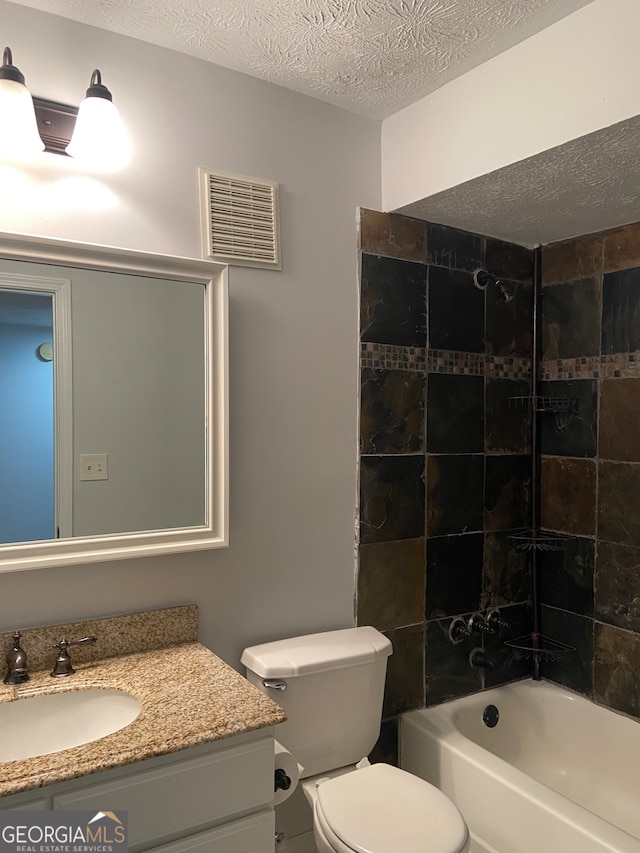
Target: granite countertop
{"points": [[188, 696]]}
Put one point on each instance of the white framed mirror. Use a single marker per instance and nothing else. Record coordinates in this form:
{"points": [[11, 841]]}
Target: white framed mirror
{"points": [[113, 403]]}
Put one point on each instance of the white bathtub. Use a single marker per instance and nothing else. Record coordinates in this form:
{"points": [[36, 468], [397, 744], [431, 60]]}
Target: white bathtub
{"points": [[557, 774]]}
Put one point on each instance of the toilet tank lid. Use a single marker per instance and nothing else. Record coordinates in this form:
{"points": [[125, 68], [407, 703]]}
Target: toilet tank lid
{"points": [[316, 652]]}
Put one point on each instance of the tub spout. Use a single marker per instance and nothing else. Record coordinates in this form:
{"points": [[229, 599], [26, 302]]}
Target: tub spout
{"points": [[478, 657]]}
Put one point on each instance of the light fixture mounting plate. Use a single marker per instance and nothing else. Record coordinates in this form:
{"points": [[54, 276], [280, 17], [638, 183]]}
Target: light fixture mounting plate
{"points": [[55, 124]]}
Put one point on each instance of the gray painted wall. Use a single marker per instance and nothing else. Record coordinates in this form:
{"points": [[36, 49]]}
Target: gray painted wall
{"points": [[293, 334]]}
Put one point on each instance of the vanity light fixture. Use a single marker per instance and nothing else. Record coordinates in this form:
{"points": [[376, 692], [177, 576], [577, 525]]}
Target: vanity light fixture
{"points": [[92, 134], [99, 137], [18, 127]]}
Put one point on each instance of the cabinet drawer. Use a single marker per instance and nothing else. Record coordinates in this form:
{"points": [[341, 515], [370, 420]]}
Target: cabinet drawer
{"points": [[253, 834], [189, 795], [39, 805]]}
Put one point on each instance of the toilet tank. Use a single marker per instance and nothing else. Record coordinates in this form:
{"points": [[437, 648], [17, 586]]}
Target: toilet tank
{"points": [[333, 688]]}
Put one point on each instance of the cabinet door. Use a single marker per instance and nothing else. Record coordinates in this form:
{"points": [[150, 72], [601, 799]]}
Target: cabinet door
{"points": [[185, 796], [253, 834]]}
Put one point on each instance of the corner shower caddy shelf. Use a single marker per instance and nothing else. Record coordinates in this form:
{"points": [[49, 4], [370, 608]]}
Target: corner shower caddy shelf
{"points": [[535, 646], [540, 540], [545, 648], [558, 405]]}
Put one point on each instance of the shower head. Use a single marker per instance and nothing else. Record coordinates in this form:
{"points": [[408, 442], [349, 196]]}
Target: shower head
{"points": [[481, 279], [505, 291]]}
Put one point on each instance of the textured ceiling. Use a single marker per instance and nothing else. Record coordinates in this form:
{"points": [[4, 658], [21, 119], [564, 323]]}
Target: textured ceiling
{"points": [[586, 185], [374, 57], [369, 56]]}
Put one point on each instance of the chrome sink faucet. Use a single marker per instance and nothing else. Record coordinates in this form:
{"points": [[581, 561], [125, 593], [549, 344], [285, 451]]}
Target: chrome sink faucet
{"points": [[63, 665]]}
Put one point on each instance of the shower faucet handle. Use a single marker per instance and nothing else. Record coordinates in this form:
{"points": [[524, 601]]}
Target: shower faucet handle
{"points": [[458, 630], [495, 620], [477, 624]]}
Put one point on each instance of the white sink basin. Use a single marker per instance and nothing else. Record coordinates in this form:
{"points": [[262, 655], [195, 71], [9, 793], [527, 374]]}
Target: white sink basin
{"points": [[52, 722]]}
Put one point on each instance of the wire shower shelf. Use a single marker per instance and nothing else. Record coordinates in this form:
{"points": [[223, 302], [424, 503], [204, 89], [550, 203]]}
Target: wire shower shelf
{"points": [[531, 646], [545, 404], [538, 540]]}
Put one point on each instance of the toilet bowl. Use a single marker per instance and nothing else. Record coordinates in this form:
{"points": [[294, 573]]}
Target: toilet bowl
{"points": [[382, 809]]}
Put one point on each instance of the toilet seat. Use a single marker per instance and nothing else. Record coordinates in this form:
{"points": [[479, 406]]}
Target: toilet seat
{"points": [[382, 809]]}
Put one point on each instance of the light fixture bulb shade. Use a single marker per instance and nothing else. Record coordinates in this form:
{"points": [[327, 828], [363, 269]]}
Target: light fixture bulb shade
{"points": [[19, 135], [100, 139]]}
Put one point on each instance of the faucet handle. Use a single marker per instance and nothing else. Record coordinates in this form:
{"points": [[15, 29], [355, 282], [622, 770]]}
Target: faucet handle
{"points": [[458, 630], [496, 620], [477, 624], [63, 665]]}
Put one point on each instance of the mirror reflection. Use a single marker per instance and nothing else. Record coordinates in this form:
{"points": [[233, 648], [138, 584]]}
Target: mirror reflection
{"points": [[102, 403]]}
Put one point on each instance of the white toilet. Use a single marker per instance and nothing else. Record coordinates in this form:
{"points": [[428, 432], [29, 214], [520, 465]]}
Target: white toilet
{"points": [[331, 686]]}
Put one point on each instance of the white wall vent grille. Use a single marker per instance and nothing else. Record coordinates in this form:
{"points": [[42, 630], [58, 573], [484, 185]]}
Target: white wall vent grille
{"points": [[240, 219]]}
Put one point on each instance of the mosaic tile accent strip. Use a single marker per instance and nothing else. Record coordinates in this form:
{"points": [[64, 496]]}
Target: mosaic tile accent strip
{"points": [[621, 365], [389, 357], [450, 361]]}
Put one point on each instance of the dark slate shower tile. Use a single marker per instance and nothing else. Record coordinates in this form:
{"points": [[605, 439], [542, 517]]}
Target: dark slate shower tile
{"points": [[386, 749], [572, 259], [391, 582], [617, 585], [572, 433], [455, 413], [391, 498], [508, 416], [404, 687], [615, 669], [619, 417], [573, 668], [621, 311], [455, 494], [392, 411], [566, 575], [622, 248], [447, 669], [453, 248], [619, 502], [509, 324], [570, 319], [568, 495], [456, 311], [508, 260], [507, 492], [393, 302], [454, 574], [393, 235], [506, 572], [508, 663]]}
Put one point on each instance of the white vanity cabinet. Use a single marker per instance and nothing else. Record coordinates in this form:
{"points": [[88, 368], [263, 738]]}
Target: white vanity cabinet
{"points": [[213, 798]]}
